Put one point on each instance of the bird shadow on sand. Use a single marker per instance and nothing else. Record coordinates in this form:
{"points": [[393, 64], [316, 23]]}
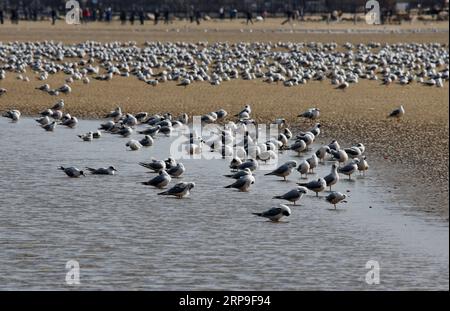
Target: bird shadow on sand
{"points": [[348, 180], [337, 210], [285, 181]]}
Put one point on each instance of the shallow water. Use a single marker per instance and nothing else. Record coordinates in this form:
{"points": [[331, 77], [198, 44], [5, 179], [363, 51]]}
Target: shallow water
{"points": [[126, 237]]}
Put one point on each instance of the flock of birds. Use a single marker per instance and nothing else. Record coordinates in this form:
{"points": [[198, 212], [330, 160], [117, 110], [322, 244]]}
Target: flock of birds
{"points": [[246, 154], [186, 63], [287, 63]]}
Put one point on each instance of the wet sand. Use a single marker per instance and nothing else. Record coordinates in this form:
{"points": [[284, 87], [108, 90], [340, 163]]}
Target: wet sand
{"points": [[416, 148]]}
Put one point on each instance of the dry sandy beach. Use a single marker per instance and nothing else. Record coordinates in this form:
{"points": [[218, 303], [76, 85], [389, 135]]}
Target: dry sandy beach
{"points": [[414, 151]]}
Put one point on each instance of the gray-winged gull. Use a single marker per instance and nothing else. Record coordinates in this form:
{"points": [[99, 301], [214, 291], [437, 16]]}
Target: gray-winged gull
{"points": [[72, 171], [316, 186], [284, 170], [180, 190], [160, 181], [243, 183], [102, 171], [335, 197], [275, 213], [294, 195]]}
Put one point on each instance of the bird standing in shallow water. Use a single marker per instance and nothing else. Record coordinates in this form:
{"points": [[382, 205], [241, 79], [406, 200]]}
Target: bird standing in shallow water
{"points": [[275, 213], [335, 197]]}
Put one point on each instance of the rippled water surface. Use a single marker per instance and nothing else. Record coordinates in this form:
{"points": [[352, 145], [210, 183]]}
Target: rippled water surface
{"points": [[126, 237]]}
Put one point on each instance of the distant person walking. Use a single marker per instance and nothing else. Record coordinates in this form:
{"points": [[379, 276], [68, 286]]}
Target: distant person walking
{"points": [[249, 17], [222, 13], [166, 16], [191, 14], [132, 16], [142, 17], [198, 16], [288, 17], [123, 17], [53, 13], [14, 17], [1, 17], [108, 14], [86, 15], [264, 15]]}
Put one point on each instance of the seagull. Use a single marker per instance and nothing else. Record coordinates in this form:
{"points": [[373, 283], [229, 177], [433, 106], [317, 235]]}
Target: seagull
{"points": [[47, 112], [179, 190], [299, 146], [312, 114], [59, 105], [292, 196], [134, 145], [147, 141], [184, 82], [49, 127], [343, 86], [303, 168], [65, 89], [322, 152], [243, 184], [334, 145], [317, 186], [397, 113], [361, 147], [335, 197], [141, 116], [332, 178], [72, 171], [349, 169], [97, 135], [87, 137], [57, 114], [353, 152], [155, 165], [235, 163], [315, 130], [287, 132], [43, 120], [307, 137], [45, 88], [244, 113], [177, 170], [239, 174], [221, 114], [71, 122], [266, 155], [107, 126], [363, 166], [115, 114], [3, 91], [102, 171], [252, 164], [160, 181], [339, 155], [14, 115], [313, 162], [275, 213], [152, 131], [130, 120], [284, 170]]}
